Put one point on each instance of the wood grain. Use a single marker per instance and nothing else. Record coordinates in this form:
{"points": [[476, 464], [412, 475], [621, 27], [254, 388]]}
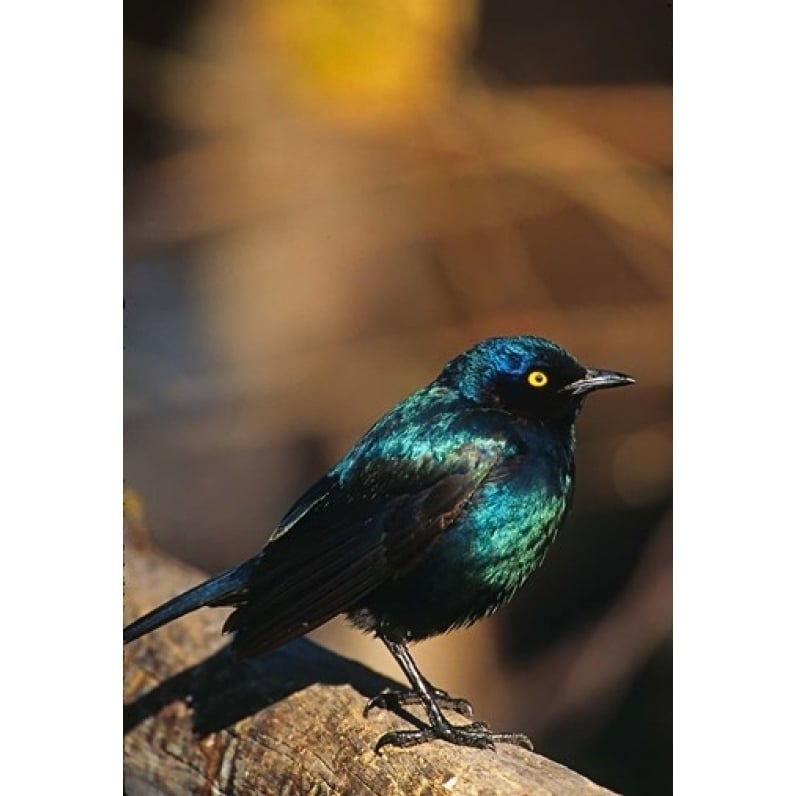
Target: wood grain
{"points": [[197, 720]]}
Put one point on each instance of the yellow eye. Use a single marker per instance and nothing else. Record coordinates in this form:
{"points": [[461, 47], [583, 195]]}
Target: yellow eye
{"points": [[536, 378]]}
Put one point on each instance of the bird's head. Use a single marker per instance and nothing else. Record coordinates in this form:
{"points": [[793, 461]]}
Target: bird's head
{"points": [[527, 376]]}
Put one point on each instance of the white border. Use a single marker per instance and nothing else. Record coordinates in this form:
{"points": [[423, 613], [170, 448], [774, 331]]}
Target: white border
{"points": [[734, 469], [61, 418]]}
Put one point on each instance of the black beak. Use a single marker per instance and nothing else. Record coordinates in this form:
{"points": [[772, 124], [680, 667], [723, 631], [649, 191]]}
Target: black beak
{"points": [[598, 380]]}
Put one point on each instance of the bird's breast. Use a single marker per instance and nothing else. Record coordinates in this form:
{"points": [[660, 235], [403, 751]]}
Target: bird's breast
{"points": [[497, 541], [506, 530]]}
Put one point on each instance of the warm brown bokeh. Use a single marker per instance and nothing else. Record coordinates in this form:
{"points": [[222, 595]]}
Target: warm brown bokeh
{"points": [[324, 202]]}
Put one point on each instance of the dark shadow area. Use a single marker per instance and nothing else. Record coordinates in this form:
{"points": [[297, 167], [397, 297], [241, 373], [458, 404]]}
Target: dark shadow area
{"points": [[547, 42], [636, 739], [224, 689]]}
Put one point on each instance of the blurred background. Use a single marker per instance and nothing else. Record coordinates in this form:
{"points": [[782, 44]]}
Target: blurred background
{"points": [[324, 202]]}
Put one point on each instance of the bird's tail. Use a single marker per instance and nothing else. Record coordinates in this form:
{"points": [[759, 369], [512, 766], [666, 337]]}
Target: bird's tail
{"points": [[226, 588]]}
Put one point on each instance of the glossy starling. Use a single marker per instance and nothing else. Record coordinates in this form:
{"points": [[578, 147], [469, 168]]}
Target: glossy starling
{"points": [[434, 519]]}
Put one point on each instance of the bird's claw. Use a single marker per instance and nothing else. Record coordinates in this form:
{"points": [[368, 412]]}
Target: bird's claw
{"points": [[477, 735], [390, 699]]}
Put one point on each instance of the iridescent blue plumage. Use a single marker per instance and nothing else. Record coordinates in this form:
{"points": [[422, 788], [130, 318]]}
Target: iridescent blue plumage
{"points": [[432, 520]]}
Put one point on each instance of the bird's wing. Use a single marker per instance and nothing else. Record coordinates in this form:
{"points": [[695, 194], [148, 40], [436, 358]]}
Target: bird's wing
{"points": [[343, 540]]}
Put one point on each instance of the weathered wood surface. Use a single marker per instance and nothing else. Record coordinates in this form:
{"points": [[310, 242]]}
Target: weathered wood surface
{"points": [[196, 720]]}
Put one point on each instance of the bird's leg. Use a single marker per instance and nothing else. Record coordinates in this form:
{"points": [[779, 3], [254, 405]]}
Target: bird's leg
{"points": [[476, 734], [391, 698]]}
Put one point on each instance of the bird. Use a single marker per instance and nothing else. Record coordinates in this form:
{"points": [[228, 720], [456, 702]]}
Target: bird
{"points": [[431, 521]]}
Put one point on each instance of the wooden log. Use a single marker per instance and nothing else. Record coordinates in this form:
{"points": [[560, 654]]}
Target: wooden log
{"points": [[198, 720]]}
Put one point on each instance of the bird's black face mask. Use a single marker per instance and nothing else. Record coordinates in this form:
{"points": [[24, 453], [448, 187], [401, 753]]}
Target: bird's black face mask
{"points": [[536, 393], [551, 391]]}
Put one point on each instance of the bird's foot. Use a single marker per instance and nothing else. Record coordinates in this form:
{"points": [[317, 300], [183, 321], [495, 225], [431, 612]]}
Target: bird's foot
{"points": [[477, 735], [389, 699]]}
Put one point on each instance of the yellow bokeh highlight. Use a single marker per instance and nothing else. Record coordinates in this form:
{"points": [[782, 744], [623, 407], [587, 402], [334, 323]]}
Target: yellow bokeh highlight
{"points": [[132, 506], [365, 61]]}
